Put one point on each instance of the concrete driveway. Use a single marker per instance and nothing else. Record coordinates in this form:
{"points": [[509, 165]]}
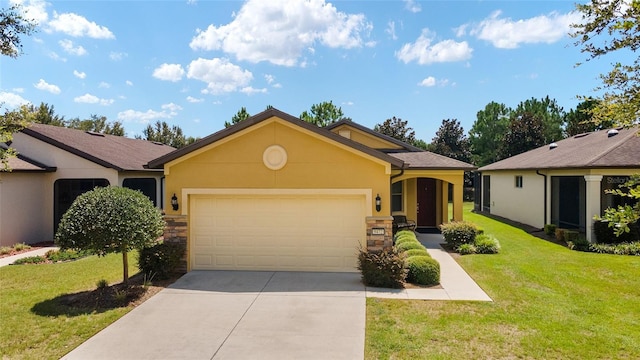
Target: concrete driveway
{"points": [[241, 315]]}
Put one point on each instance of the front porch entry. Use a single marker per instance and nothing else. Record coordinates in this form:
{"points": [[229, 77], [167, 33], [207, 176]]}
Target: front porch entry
{"points": [[426, 204]]}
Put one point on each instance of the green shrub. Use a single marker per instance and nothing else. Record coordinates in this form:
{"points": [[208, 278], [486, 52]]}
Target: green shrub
{"points": [[550, 229], [458, 233], [486, 244], [560, 234], [466, 249], [406, 240], [21, 246], [4, 250], [617, 249], [605, 234], [479, 230], [417, 252], [30, 260], [423, 270], [66, 255], [402, 233], [571, 235], [578, 243], [160, 260], [382, 268], [102, 283], [408, 246]]}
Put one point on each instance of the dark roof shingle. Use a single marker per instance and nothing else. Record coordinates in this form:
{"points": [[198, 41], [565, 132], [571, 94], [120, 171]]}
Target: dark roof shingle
{"points": [[116, 152], [591, 150], [431, 161]]}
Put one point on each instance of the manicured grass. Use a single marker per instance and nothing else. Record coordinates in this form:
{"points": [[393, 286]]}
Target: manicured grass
{"points": [[549, 303], [33, 325]]}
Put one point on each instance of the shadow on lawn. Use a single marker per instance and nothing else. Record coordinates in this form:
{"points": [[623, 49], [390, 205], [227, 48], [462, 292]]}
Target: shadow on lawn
{"points": [[534, 231]]}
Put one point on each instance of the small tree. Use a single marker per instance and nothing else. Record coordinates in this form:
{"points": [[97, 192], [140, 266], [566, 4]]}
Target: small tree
{"points": [[110, 220]]}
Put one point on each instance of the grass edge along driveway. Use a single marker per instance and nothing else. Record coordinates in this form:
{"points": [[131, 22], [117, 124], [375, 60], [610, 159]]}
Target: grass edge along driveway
{"points": [[549, 303], [49, 331]]}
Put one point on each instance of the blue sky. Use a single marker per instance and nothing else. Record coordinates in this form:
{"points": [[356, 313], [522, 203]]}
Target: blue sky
{"points": [[196, 63]]}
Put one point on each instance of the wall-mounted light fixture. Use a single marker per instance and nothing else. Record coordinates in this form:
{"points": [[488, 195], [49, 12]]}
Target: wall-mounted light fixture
{"points": [[378, 203], [174, 202]]}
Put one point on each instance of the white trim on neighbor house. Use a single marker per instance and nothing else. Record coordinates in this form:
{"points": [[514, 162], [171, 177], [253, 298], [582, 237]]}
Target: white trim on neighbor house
{"points": [[186, 192]]}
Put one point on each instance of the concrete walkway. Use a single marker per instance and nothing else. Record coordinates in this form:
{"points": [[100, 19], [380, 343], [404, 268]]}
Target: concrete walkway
{"points": [[455, 282], [38, 252]]}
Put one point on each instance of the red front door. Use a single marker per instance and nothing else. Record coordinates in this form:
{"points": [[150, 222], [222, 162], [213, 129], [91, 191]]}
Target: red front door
{"points": [[426, 202]]}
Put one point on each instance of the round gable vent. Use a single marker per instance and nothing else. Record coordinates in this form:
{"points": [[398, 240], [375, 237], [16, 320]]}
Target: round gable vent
{"points": [[275, 157]]}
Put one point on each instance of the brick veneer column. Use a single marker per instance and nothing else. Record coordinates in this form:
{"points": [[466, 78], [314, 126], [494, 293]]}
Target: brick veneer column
{"points": [[176, 232], [377, 242]]}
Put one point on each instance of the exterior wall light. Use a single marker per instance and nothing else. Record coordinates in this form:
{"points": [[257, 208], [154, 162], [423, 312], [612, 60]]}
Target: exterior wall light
{"points": [[378, 203], [174, 202]]}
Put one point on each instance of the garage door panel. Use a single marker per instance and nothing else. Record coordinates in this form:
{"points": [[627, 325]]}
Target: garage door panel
{"points": [[277, 232]]}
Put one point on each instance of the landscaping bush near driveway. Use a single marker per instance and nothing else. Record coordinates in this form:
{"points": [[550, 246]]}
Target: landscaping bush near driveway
{"points": [[161, 260], [459, 232], [423, 270], [382, 268]]}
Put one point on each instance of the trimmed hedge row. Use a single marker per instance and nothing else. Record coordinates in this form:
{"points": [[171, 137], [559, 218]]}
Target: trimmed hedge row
{"points": [[422, 269]]}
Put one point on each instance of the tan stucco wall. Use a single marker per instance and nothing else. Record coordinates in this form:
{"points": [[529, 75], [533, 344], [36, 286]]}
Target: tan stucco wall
{"points": [[21, 208], [313, 162], [524, 205], [365, 138]]}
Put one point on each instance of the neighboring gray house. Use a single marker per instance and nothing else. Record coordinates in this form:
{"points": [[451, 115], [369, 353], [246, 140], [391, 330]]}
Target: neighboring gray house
{"points": [[561, 183], [56, 164]]}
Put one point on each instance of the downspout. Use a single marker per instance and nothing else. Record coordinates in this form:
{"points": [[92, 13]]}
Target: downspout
{"points": [[545, 195]]}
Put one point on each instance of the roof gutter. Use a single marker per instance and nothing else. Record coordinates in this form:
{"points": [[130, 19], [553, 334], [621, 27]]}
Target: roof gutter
{"points": [[545, 195]]}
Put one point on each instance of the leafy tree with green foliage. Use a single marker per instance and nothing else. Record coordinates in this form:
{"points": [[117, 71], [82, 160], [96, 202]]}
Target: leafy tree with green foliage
{"points": [[97, 124], [547, 110], [323, 114], [10, 123], [43, 114], [451, 141], [619, 218], [110, 220], [169, 135], [241, 115], [397, 129], [525, 132], [580, 120], [487, 133], [14, 24], [611, 27]]}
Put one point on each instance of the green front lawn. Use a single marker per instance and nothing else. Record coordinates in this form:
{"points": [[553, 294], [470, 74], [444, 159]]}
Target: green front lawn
{"points": [[33, 325], [549, 303]]}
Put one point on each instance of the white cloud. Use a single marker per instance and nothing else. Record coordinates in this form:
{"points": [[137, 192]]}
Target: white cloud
{"points": [[44, 86], [220, 75], [348, 103], [391, 30], [92, 99], [79, 75], [104, 85], [279, 31], [78, 26], [250, 90], [271, 80], [144, 116], [56, 57], [193, 100], [117, 56], [129, 83], [412, 6], [425, 52], [11, 100], [428, 82], [35, 10], [169, 72], [506, 33], [172, 108], [67, 45]]}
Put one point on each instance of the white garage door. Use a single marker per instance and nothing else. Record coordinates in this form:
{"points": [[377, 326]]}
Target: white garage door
{"points": [[277, 232]]}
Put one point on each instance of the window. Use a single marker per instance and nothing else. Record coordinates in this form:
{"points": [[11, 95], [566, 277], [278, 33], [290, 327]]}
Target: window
{"points": [[518, 181], [396, 196], [65, 191], [146, 186]]}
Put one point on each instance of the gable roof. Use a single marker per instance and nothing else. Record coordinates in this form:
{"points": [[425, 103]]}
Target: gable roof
{"points": [[426, 160], [267, 114], [590, 150], [115, 152], [404, 145]]}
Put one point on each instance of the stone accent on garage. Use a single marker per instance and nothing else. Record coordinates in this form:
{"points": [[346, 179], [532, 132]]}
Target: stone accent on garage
{"points": [[379, 233], [175, 231]]}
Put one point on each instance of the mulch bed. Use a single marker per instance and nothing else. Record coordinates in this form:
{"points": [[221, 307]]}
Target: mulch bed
{"points": [[35, 246]]}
